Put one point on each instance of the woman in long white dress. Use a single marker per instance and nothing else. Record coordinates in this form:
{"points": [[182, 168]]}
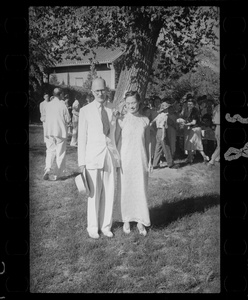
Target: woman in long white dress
{"points": [[135, 151]]}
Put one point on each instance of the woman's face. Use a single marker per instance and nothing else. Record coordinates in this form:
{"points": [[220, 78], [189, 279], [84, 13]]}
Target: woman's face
{"points": [[132, 106]]}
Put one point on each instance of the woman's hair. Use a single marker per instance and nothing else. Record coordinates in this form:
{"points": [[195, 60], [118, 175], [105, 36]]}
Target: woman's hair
{"points": [[134, 94]]}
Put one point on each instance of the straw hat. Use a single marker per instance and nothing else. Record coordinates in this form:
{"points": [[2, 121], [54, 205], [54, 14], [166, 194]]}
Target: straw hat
{"points": [[82, 184], [164, 106]]}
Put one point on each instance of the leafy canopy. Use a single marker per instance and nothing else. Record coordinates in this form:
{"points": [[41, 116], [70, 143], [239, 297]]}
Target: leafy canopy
{"points": [[183, 31]]}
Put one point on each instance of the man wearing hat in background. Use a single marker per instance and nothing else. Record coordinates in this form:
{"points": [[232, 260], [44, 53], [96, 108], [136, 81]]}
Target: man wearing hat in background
{"points": [[162, 144]]}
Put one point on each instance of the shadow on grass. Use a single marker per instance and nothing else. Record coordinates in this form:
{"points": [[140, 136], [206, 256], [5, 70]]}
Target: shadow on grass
{"points": [[163, 215], [38, 150]]}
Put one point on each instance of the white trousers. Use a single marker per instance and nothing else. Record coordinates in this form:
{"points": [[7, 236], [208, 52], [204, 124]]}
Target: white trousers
{"points": [[56, 147], [101, 200]]}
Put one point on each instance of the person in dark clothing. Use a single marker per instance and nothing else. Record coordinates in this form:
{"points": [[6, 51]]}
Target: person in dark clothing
{"points": [[192, 131]]}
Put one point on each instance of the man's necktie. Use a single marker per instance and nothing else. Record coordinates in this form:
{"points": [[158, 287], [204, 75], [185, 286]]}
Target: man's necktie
{"points": [[105, 121]]}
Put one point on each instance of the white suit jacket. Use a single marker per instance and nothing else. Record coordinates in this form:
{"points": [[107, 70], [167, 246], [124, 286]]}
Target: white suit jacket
{"points": [[57, 118], [92, 142], [42, 110]]}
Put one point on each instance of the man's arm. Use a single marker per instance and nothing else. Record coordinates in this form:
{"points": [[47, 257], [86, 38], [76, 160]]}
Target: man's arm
{"points": [[42, 112]]}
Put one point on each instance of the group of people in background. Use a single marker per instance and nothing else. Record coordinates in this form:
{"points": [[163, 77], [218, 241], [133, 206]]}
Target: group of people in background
{"points": [[117, 150], [168, 121]]}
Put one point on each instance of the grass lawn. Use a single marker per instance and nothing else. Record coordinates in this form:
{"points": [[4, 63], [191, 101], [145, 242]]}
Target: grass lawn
{"points": [[180, 254]]}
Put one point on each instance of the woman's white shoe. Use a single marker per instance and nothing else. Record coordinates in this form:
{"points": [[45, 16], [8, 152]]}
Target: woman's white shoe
{"points": [[141, 229], [126, 228]]}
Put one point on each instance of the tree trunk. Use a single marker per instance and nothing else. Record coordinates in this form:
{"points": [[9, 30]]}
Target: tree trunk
{"points": [[136, 76]]}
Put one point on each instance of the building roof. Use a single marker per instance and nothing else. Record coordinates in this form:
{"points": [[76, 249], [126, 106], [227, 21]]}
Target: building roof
{"points": [[103, 55]]}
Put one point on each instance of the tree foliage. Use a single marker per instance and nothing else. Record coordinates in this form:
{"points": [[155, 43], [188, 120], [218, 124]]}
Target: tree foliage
{"points": [[180, 32], [90, 77], [203, 79]]}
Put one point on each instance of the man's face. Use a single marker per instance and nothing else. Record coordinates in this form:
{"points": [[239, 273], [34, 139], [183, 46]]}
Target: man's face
{"points": [[99, 90], [46, 97]]}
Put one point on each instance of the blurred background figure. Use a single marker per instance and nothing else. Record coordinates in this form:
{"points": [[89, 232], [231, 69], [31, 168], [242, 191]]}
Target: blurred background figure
{"points": [[172, 129], [192, 130], [155, 105], [57, 119], [75, 116], [162, 141], [216, 121], [43, 111], [66, 99]]}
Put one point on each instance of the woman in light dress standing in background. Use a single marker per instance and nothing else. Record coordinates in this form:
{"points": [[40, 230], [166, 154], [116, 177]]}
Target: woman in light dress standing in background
{"points": [[75, 117], [133, 138]]}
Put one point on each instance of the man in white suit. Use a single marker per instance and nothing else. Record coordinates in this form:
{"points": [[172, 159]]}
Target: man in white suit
{"points": [[98, 154], [56, 121]]}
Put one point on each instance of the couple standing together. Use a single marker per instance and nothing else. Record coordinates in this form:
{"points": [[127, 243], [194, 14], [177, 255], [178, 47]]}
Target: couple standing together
{"points": [[116, 155]]}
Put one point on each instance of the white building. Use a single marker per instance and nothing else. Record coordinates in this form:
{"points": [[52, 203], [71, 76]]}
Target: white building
{"points": [[74, 72]]}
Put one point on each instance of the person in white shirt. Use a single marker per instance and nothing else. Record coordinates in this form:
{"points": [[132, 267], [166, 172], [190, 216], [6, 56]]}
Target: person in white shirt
{"points": [[98, 155], [57, 119], [162, 144], [216, 121], [42, 111]]}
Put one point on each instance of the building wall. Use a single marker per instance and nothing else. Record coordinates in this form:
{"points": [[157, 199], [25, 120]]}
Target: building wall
{"points": [[106, 75], [77, 75]]}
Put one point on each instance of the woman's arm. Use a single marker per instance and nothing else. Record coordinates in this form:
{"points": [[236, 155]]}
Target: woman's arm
{"points": [[148, 147]]}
